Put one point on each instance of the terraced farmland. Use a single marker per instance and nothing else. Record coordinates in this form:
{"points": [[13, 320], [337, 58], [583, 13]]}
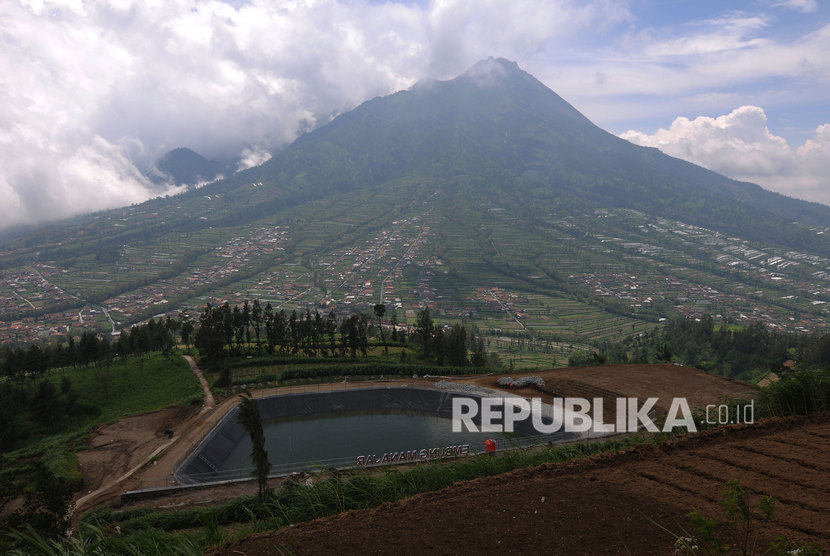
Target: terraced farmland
{"points": [[569, 278]]}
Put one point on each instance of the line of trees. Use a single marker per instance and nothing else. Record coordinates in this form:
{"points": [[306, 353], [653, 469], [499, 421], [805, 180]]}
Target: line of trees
{"points": [[224, 330], [27, 411], [33, 361], [734, 351], [450, 347], [234, 330]]}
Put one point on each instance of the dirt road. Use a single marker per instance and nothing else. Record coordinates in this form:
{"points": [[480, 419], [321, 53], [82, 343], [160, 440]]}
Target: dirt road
{"points": [[119, 452], [209, 402]]}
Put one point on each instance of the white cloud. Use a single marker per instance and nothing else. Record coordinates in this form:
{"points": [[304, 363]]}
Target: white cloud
{"points": [[93, 89], [709, 56], [56, 179], [714, 36], [132, 79], [741, 146], [806, 6], [650, 74], [253, 157]]}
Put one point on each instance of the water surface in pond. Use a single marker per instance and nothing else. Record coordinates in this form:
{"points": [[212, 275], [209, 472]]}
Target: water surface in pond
{"points": [[337, 439]]}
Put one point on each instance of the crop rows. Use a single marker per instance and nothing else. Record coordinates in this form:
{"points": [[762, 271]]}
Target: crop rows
{"points": [[791, 466]]}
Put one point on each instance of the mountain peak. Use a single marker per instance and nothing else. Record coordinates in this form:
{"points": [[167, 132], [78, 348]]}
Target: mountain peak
{"points": [[497, 119], [491, 72], [187, 167]]}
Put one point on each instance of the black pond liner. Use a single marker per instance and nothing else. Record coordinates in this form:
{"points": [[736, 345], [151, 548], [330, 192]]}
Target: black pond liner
{"points": [[205, 463]]}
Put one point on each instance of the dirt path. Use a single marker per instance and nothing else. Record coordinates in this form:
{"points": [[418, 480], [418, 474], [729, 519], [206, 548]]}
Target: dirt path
{"points": [[608, 504], [209, 402]]}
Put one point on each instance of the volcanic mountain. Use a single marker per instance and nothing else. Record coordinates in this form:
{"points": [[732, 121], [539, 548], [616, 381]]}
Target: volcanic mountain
{"points": [[496, 126], [444, 195]]}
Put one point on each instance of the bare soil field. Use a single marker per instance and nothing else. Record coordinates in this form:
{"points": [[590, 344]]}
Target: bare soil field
{"points": [[607, 504], [115, 449], [664, 382]]}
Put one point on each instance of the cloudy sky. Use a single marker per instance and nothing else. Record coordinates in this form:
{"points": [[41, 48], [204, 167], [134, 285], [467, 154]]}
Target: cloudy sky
{"points": [[94, 92]]}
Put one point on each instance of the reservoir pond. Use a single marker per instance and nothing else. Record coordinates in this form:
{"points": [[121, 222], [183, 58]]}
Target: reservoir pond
{"points": [[306, 443]]}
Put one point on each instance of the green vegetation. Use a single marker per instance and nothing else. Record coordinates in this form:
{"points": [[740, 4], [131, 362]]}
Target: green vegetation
{"points": [[250, 419], [94, 540], [139, 385], [68, 399], [797, 393], [744, 352], [224, 334], [24, 363], [42, 466], [501, 209], [739, 533]]}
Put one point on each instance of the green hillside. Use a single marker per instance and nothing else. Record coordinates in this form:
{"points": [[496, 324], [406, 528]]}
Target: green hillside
{"points": [[487, 198]]}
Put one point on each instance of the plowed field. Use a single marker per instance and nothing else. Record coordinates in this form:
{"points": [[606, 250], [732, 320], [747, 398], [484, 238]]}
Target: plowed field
{"points": [[609, 504]]}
